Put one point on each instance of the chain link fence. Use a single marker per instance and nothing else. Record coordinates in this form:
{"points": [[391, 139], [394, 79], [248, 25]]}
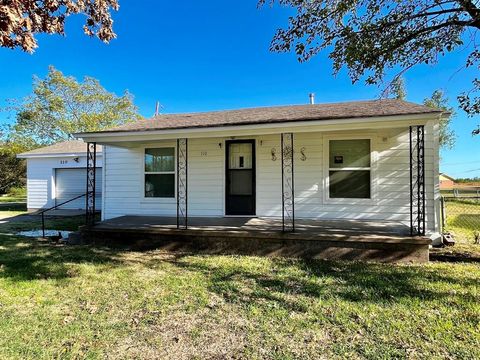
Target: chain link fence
{"points": [[461, 191], [461, 217]]}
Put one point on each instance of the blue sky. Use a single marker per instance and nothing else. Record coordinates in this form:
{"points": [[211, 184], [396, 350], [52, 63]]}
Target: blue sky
{"points": [[212, 55]]}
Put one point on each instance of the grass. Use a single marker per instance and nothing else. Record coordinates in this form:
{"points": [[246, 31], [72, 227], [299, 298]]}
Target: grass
{"points": [[463, 218], [74, 302], [13, 203], [34, 223], [9, 198], [85, 302], [4, 214]]}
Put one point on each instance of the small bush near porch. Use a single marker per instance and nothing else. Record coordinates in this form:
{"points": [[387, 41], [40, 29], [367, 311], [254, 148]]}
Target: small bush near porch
{"points": [[76, 302]]}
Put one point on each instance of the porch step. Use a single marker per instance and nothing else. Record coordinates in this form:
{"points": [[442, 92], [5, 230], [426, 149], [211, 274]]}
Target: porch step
{"points": [[381, 248], [448, 239], [75, 238]]}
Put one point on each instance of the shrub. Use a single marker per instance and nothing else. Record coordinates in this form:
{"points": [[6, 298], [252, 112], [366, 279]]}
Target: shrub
{"points": [[19, 191]]}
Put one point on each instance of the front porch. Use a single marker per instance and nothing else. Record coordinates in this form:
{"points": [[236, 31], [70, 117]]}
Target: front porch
{"points": [[180, 193], [384, 241], [270, 176]]}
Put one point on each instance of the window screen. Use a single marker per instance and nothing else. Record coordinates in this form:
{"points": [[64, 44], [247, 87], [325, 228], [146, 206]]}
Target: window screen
{"points": [[349, 169], [160, 172], [241, 183], [349, 153], [162, 159]]}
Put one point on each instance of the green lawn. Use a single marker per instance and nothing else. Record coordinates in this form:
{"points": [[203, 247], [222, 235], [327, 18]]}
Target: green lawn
{"points": [[463, 218], [82, 302], [12, 203], [7, 198]]}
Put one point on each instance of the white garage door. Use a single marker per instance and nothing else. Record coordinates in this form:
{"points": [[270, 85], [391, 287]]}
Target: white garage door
{"points": [[70, 183]]}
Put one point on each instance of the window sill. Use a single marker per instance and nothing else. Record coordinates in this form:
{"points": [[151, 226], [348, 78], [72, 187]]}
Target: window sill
{"points": [[158, 200], [349, 201]]}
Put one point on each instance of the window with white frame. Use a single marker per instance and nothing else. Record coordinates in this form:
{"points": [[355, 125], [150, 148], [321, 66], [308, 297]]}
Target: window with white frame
{"points": [[349, 169], [160, 172]]}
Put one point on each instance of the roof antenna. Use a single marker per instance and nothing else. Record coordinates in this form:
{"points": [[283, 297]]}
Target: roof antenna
{"points": [[312, 98], [158, 108]]}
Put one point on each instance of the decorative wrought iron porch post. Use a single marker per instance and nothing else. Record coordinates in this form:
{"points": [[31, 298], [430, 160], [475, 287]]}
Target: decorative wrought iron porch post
{"points": [[91, 174], [417, 180], [288, 185], [182, 183]]}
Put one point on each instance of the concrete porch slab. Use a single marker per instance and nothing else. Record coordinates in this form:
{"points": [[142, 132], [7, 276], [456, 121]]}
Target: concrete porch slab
{"points": [[303, 226], [332, 239]]}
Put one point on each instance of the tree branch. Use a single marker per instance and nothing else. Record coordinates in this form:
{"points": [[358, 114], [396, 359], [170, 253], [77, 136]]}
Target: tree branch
{"points": [[425, 14], [472, 10]]}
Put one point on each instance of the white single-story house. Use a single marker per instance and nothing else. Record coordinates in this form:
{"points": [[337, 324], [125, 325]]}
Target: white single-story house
{"points": [[374, 161], [57, 173]]}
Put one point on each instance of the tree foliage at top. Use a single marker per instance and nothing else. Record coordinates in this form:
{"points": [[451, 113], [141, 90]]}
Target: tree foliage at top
{"points": [[369, 37], [20, 20], [397, 88], [60, 106], [438, 100]]}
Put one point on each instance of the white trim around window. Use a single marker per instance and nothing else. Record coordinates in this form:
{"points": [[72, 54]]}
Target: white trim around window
{"points": [[326, 170], [163, 200]]}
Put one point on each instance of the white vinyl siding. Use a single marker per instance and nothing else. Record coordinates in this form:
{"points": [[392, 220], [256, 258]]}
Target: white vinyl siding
{"points": [[206, 178], [40, 183], [41, 178]]}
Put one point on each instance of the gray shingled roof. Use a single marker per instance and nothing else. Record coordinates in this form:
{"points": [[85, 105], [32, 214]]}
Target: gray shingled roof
{"points": [[278, 114], [65, 147]]}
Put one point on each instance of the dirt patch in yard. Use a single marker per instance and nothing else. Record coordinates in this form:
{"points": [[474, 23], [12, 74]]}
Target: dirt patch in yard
{"points": [[204, 334], [454, 256]]}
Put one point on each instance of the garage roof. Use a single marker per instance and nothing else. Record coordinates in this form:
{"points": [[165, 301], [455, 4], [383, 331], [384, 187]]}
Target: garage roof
{"points": [[277, 114], [64, 148]]}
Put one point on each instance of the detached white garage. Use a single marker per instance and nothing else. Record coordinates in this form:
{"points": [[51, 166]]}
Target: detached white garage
{"points": [[58, 173], [70, 183]]}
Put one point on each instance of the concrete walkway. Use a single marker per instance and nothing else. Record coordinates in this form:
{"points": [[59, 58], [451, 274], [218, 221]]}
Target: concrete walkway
{"points": [[21, 216], [62, 212]]}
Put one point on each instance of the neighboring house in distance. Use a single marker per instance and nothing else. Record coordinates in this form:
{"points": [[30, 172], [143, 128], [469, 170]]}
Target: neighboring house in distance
{"points": [[446, 182], [351, 162], [57, 173]]}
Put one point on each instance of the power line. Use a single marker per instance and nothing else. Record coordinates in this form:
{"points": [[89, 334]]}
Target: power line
{"points": [[462, 163], [468, 171]]}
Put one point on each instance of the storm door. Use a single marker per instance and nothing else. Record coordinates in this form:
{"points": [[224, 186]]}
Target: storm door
{"points": [[240, 177]]}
